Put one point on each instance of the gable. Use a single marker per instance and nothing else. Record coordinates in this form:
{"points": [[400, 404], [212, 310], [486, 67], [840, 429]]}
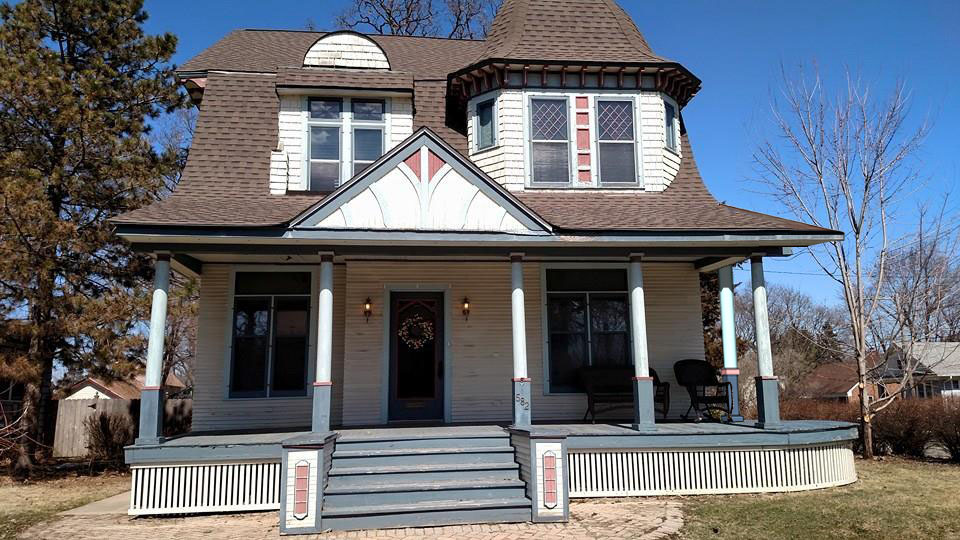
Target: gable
{"points": [[423, 185], [346, 49]]}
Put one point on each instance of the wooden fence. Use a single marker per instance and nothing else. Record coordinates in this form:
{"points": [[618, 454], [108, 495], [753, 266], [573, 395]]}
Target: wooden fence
{"points": [[70, 437]]}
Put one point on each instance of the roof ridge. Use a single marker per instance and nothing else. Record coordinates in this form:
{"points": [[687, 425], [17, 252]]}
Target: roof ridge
{"points": [[324, 32]]}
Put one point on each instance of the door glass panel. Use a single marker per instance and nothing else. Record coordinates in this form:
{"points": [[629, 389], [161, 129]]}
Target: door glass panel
{"points": [[416, 343], [290, 345], [609, 342], [567, 325], [251, 331]]}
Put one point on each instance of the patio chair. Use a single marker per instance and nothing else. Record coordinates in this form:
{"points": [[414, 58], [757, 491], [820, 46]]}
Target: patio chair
{"points": [[707, 391], [610, 387]]}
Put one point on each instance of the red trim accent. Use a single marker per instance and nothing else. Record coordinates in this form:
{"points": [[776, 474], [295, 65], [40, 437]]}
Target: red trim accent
{"points": [[636, 258], [434, 162], [163, 256], [730, 371], [550, 480], [414, 163], [516, 258], [323, 383], [151, 388], [326, 257], [520, 379], [643, 378]]}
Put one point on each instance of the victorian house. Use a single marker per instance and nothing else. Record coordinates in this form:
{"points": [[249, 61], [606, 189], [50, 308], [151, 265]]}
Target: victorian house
{"points": [[424, 262]]}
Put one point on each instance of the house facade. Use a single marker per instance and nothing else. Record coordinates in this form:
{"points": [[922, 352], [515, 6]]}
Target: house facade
{"points": [[411, 250]]}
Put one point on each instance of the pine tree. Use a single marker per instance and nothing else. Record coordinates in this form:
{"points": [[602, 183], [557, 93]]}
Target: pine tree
{"points": [[79, 81]]}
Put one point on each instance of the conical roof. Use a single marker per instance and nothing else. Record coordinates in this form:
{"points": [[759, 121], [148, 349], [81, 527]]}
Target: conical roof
{"points": [[575, 31]]}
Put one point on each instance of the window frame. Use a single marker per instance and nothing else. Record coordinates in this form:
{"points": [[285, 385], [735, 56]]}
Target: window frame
{"points": [[635, 141], [477, 144], [545, 324], [311, 335], [346, 124], [674, 127], [570, 142]]}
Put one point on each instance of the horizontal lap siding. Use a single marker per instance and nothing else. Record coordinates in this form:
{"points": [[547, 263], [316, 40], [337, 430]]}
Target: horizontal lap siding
{"points": [[211, 410]]}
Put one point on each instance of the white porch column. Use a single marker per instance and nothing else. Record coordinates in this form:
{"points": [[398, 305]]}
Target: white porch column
{"points": [[643, 409], [151, 397], [521, 382], [768, 398], [322, 383], [730, 371]]}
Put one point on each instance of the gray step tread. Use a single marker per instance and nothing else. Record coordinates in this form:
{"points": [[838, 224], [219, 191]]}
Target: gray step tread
{"points": [[421, 451], [438, 485], [350, 471], [404, 433], [426, 506]]}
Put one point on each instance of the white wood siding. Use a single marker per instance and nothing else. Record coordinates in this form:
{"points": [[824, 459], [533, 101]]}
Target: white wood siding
{"points": [[288, 160], [505, 162], [346, 50], [212, 410]]}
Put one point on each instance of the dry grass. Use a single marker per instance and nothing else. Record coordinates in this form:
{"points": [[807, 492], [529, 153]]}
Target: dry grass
{"points": [[23, 504], [894, 498]]}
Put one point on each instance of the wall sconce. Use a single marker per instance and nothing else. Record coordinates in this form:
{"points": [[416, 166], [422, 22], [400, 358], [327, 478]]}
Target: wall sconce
{"points": [[466, 308], [367, 308]]}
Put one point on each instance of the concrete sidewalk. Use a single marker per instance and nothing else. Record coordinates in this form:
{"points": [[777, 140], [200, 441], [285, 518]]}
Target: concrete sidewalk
{"points": [[111, 506]]}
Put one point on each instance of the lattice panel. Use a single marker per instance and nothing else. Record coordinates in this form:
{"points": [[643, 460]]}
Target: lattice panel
{"points": [[615, 119], [549, 119]]}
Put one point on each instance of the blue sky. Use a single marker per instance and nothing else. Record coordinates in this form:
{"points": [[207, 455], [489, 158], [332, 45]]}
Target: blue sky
{"points": [[736, 48]]}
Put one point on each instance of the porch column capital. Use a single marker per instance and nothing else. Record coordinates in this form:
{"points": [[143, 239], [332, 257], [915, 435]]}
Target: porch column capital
{"points": [[326, 256], [517, 256], [635, 256]]}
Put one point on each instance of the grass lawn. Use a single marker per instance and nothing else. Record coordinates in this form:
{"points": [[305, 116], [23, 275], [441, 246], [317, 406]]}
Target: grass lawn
{"points": [[894, 498], [23, 504]]}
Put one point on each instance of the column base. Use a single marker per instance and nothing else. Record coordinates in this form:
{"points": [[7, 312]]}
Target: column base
{"points": [[644, 415], [151, 416], [768, 402], [321, 407], [521, 402], [732, 376]]}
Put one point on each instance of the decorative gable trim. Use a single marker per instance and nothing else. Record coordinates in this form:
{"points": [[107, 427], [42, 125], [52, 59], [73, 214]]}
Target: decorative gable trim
{"points": [[422, 184], [346, 49]]}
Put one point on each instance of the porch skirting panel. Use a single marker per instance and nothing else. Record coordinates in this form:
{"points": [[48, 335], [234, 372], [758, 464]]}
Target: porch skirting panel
{"points": [[630, 472], [206, 487]]}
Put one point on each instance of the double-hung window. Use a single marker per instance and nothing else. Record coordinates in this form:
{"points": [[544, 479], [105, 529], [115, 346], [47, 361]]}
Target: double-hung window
{"points": [[587, 323], [270, 338], [346, 136], [670, 125], [616, 142], [549, 141], [486, 125]]}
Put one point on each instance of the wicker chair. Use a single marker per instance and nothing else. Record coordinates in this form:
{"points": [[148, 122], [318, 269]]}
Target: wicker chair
{"points": [[707, 391]]}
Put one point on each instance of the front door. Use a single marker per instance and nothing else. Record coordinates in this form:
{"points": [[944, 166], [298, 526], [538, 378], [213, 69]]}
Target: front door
{"points": [[416, 356]]}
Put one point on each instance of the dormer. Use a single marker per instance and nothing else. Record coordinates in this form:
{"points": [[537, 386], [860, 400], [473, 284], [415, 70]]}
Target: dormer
{"points": [[339, 111], [559, 101]]}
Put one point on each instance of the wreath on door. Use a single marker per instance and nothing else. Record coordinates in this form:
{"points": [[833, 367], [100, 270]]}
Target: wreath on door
{"points": [[415, 332]]}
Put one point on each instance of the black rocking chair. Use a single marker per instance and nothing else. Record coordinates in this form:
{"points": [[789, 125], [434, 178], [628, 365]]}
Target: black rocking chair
{"points": [[707, 391]]}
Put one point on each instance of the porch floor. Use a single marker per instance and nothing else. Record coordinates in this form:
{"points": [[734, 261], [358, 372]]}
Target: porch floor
{"points": [[267, 444]]}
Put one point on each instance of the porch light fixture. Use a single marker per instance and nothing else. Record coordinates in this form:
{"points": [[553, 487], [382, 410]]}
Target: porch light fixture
{"points": [[367, 308], [466, 308]]}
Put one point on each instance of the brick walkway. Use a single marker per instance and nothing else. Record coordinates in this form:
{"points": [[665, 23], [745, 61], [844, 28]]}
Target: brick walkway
{"points": [[598, 519]]}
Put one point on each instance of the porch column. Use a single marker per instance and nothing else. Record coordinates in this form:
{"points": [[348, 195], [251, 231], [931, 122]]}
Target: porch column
{"points": [[521, 383], [768, 392], [151, 397], [322, 385], [730, 371], [643, 411]]}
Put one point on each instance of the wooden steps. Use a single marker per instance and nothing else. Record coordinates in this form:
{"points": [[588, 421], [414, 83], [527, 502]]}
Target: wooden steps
{"points": [[434, 477]]}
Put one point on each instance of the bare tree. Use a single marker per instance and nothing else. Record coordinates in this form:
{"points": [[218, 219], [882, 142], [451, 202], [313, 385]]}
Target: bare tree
{"points": [[459, 19], [843, 162]]}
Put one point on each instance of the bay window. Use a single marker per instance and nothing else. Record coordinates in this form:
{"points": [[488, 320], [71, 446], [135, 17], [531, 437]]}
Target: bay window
{"points": [[549, 141], [587, 323], [345, 136], [616, 142], [270, 335]]}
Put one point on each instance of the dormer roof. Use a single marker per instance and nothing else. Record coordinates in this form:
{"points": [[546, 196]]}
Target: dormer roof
{"points": [[561, 31]]}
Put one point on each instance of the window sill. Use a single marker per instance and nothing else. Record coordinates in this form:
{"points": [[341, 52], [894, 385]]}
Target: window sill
{"points": [[584, 187], [674, 151], [306, 192], [267, 398], [479, 151]]}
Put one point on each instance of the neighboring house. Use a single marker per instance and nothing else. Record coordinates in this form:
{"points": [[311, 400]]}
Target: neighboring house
{"points": [[408, 249], [96, 388], [936, 369], [836, 381]]}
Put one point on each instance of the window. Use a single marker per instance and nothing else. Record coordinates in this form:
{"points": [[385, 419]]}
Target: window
{"points": [[486, 125], [616, 143], [549, 142], [331, 130], [271, 321], [587, 323], [670, 116]]}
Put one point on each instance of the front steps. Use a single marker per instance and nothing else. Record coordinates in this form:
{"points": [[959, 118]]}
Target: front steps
{"points": [[415, 478]]}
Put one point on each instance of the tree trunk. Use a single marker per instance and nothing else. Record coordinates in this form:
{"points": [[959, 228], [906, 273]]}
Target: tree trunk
{"points": [[866, 429]]}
